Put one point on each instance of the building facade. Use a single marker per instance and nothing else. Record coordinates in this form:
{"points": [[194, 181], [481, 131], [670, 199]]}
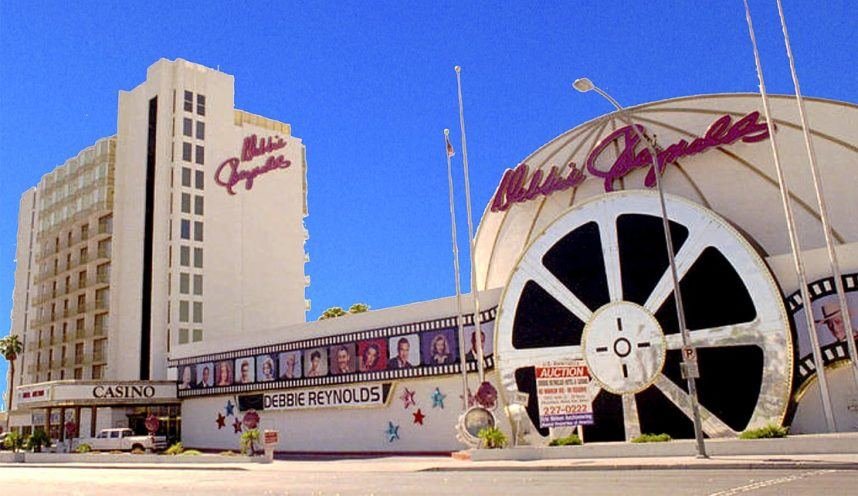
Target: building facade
{"points": [[159, 238]]}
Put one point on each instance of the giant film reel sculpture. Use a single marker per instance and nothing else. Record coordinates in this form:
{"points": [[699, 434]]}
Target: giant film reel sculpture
{"points": [[596, 285]]}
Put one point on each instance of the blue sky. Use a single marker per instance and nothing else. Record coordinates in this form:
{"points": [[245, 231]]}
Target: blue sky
{"points": [[369, 87]]}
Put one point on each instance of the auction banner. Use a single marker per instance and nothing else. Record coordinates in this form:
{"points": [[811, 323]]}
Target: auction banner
{"points": [[562, 394], [353, 395]]}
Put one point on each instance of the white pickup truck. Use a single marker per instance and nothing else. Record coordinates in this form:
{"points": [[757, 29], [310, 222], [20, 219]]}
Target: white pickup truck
{"points": [[122, 440]]}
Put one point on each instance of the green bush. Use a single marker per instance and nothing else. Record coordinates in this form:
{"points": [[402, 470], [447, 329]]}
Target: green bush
{"points": [[769, 431], [175, 449], [227, 453], [249, 440], [138, 451], [14, 441], [570, 440], [83, 448], [191, 452], [38, 439], [492, 437], [652, 438]]}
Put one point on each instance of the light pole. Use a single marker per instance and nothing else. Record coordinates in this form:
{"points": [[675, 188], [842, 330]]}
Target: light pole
{"points": [[689, 355]]}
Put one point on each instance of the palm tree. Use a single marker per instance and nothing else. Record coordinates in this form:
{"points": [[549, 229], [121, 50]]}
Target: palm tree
{"points": [[332, 313], [359, 308], [10, 347]]}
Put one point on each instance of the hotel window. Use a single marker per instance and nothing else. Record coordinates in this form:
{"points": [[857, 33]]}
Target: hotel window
{"points": [[184, 283], [201, 104], [198, 231], [84, 255], [199, 154], [184, 256], [198, 257], [81, 279], [199, 179], [186, 229], [187, 127], [183, 336], [198, 312], [96, 371], [186, 177], [186, 152], [198, 335], [198, 284], [186, 203], [189, 101], [201, 130], [198, 205], [183, 311], [105, 225], [78, 373]]}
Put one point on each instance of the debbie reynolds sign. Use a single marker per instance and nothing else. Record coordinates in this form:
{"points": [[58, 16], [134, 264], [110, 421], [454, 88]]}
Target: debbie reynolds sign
{"points": [[341, 396]]}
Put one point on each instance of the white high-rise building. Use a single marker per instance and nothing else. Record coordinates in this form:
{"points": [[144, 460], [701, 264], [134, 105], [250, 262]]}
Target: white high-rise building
{"points": [[185, 226]]}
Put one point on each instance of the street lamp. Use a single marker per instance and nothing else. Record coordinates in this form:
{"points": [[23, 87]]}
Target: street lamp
{"points": [[688, 354]]}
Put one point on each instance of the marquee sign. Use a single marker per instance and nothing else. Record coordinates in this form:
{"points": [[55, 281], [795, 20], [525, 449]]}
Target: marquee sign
{"points": [[514, 186], [228, 173], [330, 397]]}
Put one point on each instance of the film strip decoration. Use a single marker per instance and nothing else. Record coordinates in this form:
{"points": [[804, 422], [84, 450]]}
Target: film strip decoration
{"points": [[833, 352], [418, 371]]}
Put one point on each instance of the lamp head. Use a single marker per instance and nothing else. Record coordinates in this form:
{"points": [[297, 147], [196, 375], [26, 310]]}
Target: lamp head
{"points": [[583, 85]]}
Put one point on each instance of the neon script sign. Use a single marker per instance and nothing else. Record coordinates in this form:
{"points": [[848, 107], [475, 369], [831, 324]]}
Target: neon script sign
{"points": [[514, 186], [229, 175]]}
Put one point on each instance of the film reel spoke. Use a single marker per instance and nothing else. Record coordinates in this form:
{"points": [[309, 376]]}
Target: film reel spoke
{"points": [[611, 252], [537, 272], [749, 333], [631, 420], [685, 258], [712, 425]]}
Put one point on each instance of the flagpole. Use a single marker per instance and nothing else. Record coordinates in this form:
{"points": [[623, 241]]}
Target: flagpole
{"points": [[793, 238], [823, 207], [478, 332], [460, 319]]}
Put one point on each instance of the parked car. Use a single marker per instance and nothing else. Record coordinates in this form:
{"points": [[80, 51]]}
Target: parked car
{"points": [[122, 440]]}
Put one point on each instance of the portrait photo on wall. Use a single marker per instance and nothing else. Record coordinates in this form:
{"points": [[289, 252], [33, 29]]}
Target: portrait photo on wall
{"points": [[186, 377], [404, 351], [244, 370], [372, 355], [439, 347], [290, 365], [223, 377], [342, 358], [488, 334], [205, 375], [316, 362], [266, 368], [828, 319]]}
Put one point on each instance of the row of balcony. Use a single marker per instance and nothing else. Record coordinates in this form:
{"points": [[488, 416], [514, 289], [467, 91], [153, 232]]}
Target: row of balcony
{"points": [[94, 281], [51, 248], [45, 233], [66, 313], [75, 263], [79, 361], [71, 337]]}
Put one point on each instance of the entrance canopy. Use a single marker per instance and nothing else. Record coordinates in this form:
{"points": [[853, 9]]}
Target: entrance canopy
{"points": [[57, 394]]}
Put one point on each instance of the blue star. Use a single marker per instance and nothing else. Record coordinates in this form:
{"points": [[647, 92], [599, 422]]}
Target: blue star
{"points": [[438, 399], [229, 408], [392, 432]]}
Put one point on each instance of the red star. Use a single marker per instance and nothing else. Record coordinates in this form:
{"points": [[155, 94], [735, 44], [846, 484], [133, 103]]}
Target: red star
{"points": [[418, 417], [221, 421], [237, 426]]}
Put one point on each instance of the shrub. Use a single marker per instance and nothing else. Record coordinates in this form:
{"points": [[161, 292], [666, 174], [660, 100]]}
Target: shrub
{"points": [[83, 448], [249, 440], [492, 437], [191, 452], [175, 449], [137, 450], [227, 453], [37, 440], [652, 438], [769, 431], [570, 440], [14, 441]]}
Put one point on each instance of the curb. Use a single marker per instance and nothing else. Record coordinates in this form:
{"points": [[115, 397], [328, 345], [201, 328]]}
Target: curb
{"points": [[639, 466], [123, 466]]}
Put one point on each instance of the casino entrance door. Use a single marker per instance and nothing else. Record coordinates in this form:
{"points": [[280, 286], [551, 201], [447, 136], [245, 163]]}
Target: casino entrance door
{"points": [[169, 417]]}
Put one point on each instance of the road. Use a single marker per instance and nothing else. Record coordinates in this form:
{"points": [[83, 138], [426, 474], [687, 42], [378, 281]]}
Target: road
{"points": [[278, 479]]}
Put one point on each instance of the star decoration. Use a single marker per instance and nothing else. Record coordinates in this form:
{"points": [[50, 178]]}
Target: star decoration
{"points": [[221, 421], [237, 426], [407, 398], [230, 408], [418, 417], [392, 432], [438, 399]]}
